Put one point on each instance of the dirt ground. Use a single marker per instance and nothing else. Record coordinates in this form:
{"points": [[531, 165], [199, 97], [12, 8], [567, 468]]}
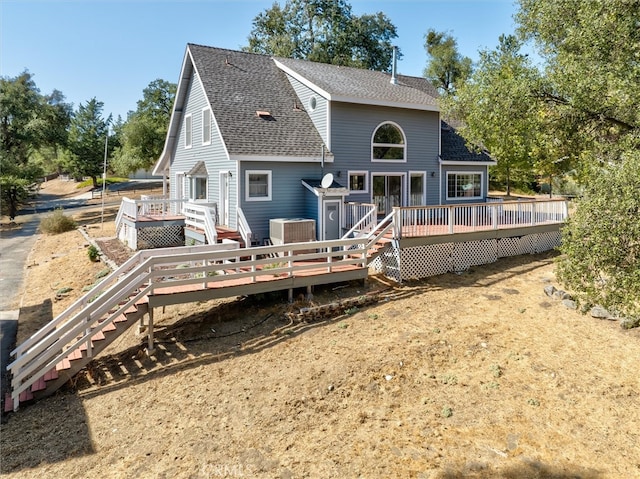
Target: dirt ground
{"points": [[477, 375]]}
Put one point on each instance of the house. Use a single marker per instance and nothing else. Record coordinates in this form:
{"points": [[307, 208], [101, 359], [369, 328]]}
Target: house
{"points": [[254, 138]]}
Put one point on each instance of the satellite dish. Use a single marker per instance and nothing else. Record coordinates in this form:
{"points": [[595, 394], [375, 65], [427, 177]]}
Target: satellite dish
{"points": [[327, 181]]}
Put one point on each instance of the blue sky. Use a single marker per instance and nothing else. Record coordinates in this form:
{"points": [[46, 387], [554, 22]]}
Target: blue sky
{"points": [[112, 50]]}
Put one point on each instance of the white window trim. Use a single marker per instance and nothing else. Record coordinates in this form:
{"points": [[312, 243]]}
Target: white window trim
{"points": [[269, 185], [366, 181], [464, 198], [188, 132], [373, 145], [423, 174], [206, 141]]}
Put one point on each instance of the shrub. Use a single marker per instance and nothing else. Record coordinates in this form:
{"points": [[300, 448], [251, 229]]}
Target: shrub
{"points": [[57, 222], [93, 253]]}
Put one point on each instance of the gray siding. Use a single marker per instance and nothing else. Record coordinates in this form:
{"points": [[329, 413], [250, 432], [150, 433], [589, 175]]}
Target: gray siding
{"points": [[213, 155], [289, 198], [319, 114], [352, 128], [467, 169]]}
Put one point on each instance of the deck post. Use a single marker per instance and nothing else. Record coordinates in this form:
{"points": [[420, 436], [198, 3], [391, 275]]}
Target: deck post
{"points": [[290, 295], [150, 349], [309, 293], [451, 220]]}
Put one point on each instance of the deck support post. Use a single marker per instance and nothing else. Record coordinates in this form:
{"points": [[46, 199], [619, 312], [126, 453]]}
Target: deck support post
{"points": [[290, 294], [150, 347], [309, 293]]}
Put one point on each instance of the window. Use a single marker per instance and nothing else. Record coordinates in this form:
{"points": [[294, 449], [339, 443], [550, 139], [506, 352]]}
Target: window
{"points": [[258, 185], [206, 126], [199, 188], [358, 182], [416, 195], [464, 185], [388, 143], [187, 131]]}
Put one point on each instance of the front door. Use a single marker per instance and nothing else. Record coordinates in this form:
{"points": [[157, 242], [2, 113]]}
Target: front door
{"points": [[224, 198], [387, 192], [331, 219]]}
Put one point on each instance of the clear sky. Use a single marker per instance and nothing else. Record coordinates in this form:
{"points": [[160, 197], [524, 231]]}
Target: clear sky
{"points": [[112, 50]]}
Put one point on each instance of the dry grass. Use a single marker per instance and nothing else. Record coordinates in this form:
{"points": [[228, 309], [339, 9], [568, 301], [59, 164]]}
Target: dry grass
{"points": [[475, 375]]}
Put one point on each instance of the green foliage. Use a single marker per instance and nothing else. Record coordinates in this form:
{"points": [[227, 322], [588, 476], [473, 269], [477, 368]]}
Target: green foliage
{"points": [[446, 67], [324, 31], [499, 111], [110, 181], [57, 222], [601, 241], [142, 136], [87, 137], [32, 132], [14, 192], [93, 253]]}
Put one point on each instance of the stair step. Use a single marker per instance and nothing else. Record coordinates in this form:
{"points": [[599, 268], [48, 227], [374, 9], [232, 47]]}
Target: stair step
{"points": [[39, 385], [62, 365], [76, 354], [109, 327], [99, 336], [120, 319], [51, 375]]}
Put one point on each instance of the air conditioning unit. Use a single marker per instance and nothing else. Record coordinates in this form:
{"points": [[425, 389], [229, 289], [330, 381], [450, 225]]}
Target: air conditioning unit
{"points": [[292, 230]]}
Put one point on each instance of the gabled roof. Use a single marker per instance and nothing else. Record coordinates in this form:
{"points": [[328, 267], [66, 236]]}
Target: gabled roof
{"points": [[238, 86], [356, 85], [454, 148]]}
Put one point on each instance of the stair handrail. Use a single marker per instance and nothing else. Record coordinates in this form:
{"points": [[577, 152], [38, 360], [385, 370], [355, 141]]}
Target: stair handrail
{"points": [[244, 229], [58, 342], [101, 288], [368, 218], [208, 221], [88, 318]]}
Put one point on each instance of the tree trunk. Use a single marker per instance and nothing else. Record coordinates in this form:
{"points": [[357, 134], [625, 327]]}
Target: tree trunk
{"points": [[95, 181]]}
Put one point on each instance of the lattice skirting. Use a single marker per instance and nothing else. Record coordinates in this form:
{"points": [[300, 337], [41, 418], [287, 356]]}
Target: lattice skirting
{"points": [[160, 237], [430, 260]]}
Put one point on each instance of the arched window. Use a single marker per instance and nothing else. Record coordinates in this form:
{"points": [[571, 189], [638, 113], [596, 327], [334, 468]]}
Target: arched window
{"points": [[388, 143]]}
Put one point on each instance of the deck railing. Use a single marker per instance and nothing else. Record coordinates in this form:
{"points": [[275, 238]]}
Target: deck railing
{"points": [[203, 217], [244, 229], [150, 271], [415, 221], [360, 219]]}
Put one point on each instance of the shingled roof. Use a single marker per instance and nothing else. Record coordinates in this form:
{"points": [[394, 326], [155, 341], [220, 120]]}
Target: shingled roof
{"points": [[357, 85], [254, 104], [454, 147]]}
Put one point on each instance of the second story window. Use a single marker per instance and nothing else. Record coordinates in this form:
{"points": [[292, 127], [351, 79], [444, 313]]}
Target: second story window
{"points": [[188, 131], [388, 143], [206, 126]]}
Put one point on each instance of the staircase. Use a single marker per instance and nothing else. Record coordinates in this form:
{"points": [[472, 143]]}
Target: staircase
{"points": [[54, 354], [78, 358]]}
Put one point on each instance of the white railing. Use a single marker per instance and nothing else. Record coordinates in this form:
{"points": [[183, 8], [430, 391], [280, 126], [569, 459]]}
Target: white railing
{"points": [[244, 229], [417, 221], [152, 206], [368, 214], [149, 271], [202, 216], [354, 212]]}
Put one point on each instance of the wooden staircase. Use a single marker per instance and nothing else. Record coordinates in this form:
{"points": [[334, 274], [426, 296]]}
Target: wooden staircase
{"points": [[78, 358]]}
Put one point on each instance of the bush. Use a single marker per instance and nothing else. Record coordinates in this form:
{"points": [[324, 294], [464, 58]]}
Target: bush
{"points": [[93, 253], [601, 240], [57, 222]]}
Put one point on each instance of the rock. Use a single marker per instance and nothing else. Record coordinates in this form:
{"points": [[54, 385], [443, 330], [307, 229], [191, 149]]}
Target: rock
{"points": [[549, 290], [630, 323], [600, 313], [570, 303]]}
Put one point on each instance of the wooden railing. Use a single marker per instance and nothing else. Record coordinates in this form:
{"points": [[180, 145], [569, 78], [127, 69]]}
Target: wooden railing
{"points": [[150, 270], [244, 229], [354, 213], [202, 216], [415, 221], [368, 219]]}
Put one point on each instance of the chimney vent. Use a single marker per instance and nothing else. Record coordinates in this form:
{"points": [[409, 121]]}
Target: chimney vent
{"points": [[394, 67]]}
